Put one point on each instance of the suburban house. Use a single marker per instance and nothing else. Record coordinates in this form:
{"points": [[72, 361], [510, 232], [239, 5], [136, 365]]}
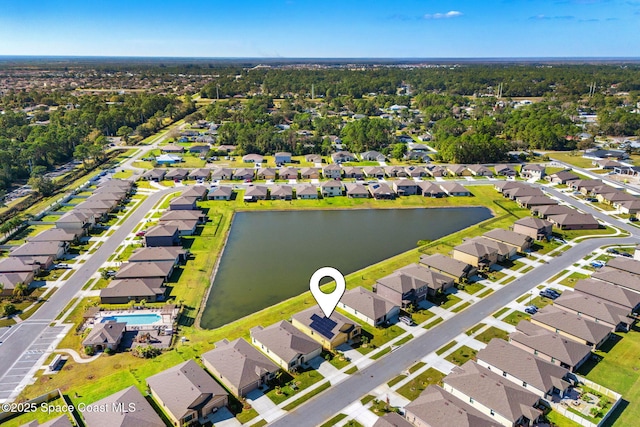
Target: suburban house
{"points": [[561, 177], [405, 187], [255, 192], [436, 407], [381, 191], [177, 173], [20, 265], [287, 172], [285, 344], [332, 171], [536, 228], [606, 164], [493, 395], [330, 332], [126, 290], [540, 377], [144, 270], [372, 156], [391, 419], [154, 175], [411, 284], [201, 150], [584, 185], [574, 221], [457, 170], [614, 196], [162, 235], [395, 171], [455, 189], [502, 186], [55, 250], [343, 156], [374, 172], [306, 191], [532, 171], [186, 393], [159, 253], [310, 173], [572, 326], [596, 309], [243, 174], [429, 189], [313, 158], [201, 174], [530, 202], [521, 242], [354, 172], [168, 159], [416, 171], [199, 192], [625, 264], [436, 171], [282, 157], [368, 306], [630, 207], [266, 173], [356, 190], [221, 193], [453, 268], [521, 191], [127, 407], [331, 188], [618, 277], [105, 335], [609, 292], [281, 192], [194, 215], [550, 346], [183, 203], [545, 211], [76, 222], [221, 173], [239, 366], [480, 170], [482, 253], [172, 148], [9, 281], [505, 170], [252, 158]]}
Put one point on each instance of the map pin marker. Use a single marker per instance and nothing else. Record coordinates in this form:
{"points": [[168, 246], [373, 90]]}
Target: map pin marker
{"points": [[327, 301]]}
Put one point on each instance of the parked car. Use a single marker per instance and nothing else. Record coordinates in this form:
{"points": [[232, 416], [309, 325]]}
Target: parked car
{"points": [[633, 219], [407, 320], [612, 251], [597, 264], [549, 293], [61, 266], [532, 309], [626, 255], [140, 233]]}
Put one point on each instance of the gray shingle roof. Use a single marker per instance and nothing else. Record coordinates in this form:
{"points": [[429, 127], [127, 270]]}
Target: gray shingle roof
{"points": [[509, 237], [572, 324], [105, 333], [141, 288], [444, 263], [593, 307], [609, 292], [366, 302], [549, 343]]}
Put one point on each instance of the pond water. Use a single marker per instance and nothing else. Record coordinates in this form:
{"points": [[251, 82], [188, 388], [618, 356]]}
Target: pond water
{"points": [[270, 256]]}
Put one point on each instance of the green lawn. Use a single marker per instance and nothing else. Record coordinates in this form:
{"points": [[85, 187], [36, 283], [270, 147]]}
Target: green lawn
{"points": [[332, 422], [421, 316], [396, 380], [450, 302], [572, 279], [473, 288], [515, 317], [446, 347], [461, 307], [491, 333], [433, 323], [301, 380], [476, 328], [413, 388], [500, 312], [571, 158], [461, 355]]}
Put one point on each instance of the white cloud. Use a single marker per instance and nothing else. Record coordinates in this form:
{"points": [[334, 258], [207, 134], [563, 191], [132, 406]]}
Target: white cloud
{"points": [[450, 14]]}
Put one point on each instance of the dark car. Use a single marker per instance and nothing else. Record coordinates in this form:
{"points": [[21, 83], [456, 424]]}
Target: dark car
{"points": [[548, 294], [532, 309]]}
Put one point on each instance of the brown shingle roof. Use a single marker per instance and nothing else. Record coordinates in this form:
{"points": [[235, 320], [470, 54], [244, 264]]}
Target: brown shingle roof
{"points": [[141, 288], [524, 366], [142, 415], [185, 387], [593, 307], [609, 292], [134, 270], [366, 302], [625, 264], [105, 333], [493, 391], [239, 363], [618, 277], [342, 323], [437, 407], [549, 343], [446, 264], [509, 237], [572, 324], [284, 340]]}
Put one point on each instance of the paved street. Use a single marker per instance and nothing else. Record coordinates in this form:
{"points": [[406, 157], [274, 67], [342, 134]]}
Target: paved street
{"points": [[25, 337]]}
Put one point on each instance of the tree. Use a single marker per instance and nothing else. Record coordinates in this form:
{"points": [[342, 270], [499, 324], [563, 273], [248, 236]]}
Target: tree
{"points": [[9, 310], [20, 290], [124, 132], [399, 151], [42, 185]]}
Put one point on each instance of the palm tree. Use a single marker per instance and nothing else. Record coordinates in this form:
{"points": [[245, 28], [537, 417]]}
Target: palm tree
{"points": [[20, 290]]}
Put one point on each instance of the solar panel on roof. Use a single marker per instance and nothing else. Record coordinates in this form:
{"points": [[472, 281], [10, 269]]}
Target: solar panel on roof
{"points": [[323, 325]]}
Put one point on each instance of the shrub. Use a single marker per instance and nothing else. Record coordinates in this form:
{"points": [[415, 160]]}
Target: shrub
{"points": [[9, 309], [89, 350]]}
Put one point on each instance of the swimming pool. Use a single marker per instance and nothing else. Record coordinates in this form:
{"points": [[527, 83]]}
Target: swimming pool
{"points": [[134, 319]]}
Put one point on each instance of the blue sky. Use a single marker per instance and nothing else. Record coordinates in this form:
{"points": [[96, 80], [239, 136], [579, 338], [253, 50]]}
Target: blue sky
{"points": [[328, 28]]}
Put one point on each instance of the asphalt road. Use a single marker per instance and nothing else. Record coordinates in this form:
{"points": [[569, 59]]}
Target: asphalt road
{"points": [[26, 334]]}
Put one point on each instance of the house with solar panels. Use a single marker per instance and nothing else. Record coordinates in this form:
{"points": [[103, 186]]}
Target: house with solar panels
{"points": [[328, 331]]}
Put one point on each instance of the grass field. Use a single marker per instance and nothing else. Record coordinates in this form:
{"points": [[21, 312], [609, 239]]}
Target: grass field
{"points": [[568, 157], [461, 355], [413, 388]]}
